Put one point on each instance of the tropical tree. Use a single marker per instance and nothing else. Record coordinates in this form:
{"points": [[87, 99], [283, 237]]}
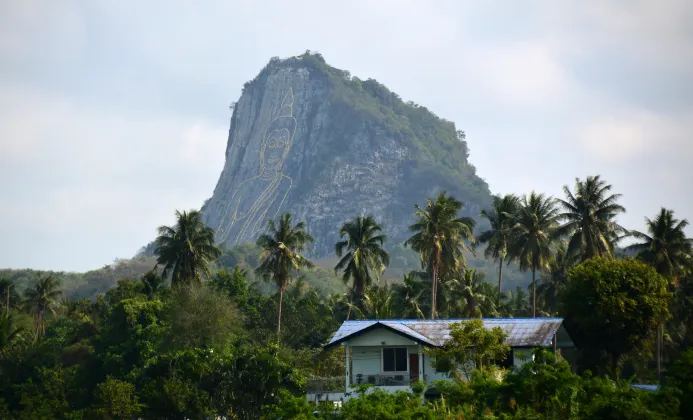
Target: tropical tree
{"points": [[473, 296], [41, 299], [665, 246], [533, 227], [439, 235], [152, 283], [554, 280], [589, 216], [9, 333], [8, 294], [281, 256], [365, 258], [498, 237], [409, 295], [378, 303], [186, 249]]}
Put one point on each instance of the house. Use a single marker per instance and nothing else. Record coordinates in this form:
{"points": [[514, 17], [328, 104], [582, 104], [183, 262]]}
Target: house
{"points": [[390, 353]]}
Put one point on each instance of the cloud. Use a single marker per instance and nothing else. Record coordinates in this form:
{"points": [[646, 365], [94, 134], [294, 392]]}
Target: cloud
{"points": [[114, 114], [91, 176]]}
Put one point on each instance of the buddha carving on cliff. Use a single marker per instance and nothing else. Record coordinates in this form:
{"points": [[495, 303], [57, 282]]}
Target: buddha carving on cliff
{"points": [[259, 199]]}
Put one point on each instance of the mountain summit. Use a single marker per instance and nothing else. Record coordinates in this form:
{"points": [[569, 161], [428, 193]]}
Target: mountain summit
{"points": [[311, 140]]}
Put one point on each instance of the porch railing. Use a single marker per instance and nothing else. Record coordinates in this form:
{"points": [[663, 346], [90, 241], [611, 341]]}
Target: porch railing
{"points": [[325, 385], [382, 379]]}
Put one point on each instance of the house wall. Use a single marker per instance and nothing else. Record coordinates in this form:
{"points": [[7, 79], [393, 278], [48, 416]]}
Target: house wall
{"points": [[380, 337], [366, 360], [522, 356], [430, 370]]}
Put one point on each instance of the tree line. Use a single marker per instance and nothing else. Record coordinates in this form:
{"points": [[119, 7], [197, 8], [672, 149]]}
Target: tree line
{"points": [[213, 343]]}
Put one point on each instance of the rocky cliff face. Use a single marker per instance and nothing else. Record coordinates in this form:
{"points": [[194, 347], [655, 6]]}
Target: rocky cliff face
{"points": [[308, 139]]}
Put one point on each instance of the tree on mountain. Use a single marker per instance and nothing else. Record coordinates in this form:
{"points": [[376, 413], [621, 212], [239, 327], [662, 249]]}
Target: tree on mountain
{"points": [[439, 235], [589, 216], [365, 257], [152, 283], [42, 298], [9, 297], [665, 246], [281, 255], [533, 227], [498, 237], [186, 249], [9, 333]]}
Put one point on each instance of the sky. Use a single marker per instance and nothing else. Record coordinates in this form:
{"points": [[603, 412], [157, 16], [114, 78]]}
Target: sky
{"points": [[113, 114]]}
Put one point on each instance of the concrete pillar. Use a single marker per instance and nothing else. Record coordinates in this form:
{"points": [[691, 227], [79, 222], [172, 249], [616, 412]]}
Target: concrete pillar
{"points": [[421, 363], [348, 366]]}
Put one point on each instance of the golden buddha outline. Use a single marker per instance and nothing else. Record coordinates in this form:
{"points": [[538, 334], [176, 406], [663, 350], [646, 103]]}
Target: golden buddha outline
{"points": [[266, 191]]}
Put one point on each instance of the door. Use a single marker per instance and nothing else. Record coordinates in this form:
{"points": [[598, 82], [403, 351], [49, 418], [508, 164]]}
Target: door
{"points": [[413, 367]]}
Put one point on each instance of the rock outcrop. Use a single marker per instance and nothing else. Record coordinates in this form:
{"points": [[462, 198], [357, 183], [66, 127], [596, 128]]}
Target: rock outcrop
{"points": [[311, 140]]}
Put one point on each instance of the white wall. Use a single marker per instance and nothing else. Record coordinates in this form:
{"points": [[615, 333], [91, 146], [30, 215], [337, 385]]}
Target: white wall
{"points": [[379, 336], [430, 370], [522, 356]]}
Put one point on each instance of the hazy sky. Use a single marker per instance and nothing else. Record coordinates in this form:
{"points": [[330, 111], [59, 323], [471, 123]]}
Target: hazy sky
{"points": [[115, 113]]}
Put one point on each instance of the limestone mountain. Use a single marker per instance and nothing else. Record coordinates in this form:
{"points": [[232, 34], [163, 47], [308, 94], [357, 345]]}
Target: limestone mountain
{"points": [[312, 140]]}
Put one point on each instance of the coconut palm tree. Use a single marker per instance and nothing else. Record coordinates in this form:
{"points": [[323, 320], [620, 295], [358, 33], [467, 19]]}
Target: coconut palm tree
{"points": [[8, 294], [8, 333], [532, 231], [409, 295], [554, 280], [377, 303], [665, 246], [365, 258], [41, 299], [186, 249], [473, 296], [281, 256], [589, 216], [439, 235], [498, 237]]}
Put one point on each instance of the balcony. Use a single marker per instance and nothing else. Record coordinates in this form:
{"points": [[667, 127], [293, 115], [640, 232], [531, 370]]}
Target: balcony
{"points": [[325, 385], [396, 379]]}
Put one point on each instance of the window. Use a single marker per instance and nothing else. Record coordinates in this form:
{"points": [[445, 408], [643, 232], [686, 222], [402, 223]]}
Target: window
{"points": [[395, 359]]}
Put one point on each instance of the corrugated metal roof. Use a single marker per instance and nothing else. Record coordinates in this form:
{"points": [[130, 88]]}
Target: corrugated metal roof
{"points": [[522, 332]]}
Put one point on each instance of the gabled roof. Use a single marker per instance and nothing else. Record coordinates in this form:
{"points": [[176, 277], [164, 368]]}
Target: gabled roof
{"points": [[522, 332]]}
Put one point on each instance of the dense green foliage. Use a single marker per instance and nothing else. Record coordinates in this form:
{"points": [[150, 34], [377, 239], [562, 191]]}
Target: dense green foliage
{"points": [[612, 307]]}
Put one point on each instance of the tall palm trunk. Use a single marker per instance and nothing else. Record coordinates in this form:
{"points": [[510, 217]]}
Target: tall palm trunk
{"points": [[534, 291], [434, 291], [351, 302], [279, 316], [500, 280]]}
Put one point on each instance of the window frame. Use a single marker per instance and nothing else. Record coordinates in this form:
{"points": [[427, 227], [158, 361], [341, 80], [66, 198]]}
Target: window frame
{"points": [[382, 360]]}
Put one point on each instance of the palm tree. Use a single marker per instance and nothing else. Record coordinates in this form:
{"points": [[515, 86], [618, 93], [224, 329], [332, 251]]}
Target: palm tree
{"points": [[498, 236], [8, 332], [665, 246], [669, 251], [553, 282], [152, 283], [532, 232], [589, 219], [186, 249], [365, 258], [42, 298], [281, 255], [377, 303], [439, 236], [409, 295], [472, 295], [8, 294]]}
